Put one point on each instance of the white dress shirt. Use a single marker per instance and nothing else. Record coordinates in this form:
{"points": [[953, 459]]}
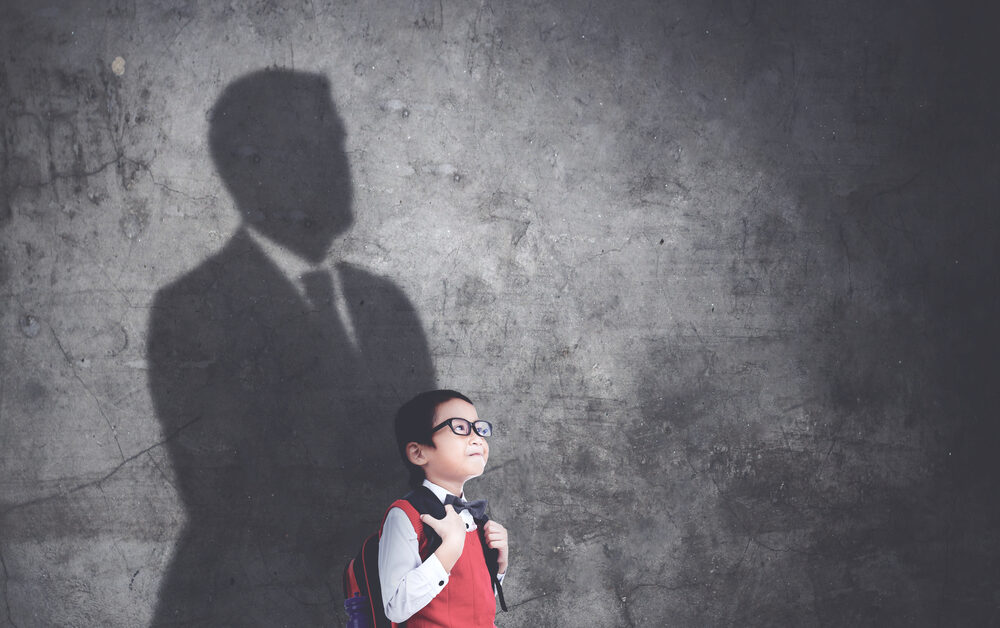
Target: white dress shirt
{"points": [[408, 583]]}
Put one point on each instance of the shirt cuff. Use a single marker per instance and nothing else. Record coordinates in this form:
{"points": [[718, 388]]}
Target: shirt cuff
{"points": [[435, 572]]}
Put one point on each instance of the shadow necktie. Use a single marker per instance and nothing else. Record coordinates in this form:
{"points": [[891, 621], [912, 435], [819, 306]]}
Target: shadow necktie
{"points": [[319, 290]]}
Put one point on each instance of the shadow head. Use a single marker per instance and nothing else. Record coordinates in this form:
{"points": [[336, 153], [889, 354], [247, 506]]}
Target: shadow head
{"points": [[278, 144]]}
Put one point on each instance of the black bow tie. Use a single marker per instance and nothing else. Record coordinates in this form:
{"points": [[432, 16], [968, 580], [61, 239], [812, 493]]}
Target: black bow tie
{"points": [[477, 508]]}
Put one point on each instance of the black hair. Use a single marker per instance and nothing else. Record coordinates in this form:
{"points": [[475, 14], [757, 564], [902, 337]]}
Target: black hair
{"points": [[413, 425]]}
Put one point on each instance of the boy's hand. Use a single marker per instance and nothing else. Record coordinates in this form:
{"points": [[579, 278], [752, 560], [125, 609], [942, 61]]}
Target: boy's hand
{"points": [[451, 529], [496, 538]]}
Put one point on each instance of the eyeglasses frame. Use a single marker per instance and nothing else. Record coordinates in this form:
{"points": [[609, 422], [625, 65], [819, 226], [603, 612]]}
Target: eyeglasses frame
{"points": [[472, 427]]}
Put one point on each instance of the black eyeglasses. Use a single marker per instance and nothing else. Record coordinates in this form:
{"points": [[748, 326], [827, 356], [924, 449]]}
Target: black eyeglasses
{"points": [[463, 427]]}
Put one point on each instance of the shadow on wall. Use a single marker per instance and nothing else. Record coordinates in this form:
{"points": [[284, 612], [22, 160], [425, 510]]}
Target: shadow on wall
{"points": [[276, 384]]}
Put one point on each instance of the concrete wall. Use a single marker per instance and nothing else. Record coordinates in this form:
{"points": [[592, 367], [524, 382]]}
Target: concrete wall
{"points": [[723, 274]]}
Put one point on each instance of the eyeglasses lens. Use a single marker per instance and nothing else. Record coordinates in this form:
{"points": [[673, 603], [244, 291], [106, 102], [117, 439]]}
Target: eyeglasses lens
{"points": [[463, 427]]}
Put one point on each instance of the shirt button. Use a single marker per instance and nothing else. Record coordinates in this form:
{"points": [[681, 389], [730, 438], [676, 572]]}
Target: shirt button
{"points": [[466, 526], [441, 583]]}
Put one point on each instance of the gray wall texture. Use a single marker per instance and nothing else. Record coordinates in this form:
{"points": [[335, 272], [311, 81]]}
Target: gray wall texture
{"points": [[723, 274]]}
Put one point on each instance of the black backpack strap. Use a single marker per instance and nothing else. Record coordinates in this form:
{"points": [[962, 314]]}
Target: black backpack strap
{"points": [[427, 503], [492, 561]]}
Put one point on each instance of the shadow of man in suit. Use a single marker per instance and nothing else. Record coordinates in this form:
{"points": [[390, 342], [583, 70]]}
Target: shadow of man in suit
{"points": [[275, 374]]}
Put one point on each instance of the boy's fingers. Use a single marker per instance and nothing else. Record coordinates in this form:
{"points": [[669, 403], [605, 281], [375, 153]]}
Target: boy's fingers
{"points": [[436, 523]]}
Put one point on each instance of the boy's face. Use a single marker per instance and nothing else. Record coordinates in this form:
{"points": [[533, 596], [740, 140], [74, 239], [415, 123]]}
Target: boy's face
{"points": [[454, 458]]}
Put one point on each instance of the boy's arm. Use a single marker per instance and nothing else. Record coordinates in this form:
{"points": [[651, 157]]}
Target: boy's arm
{"points": [[408, 583], [451, 529]]}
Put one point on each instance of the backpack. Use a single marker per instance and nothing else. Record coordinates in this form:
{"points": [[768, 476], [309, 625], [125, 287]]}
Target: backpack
{"points": [[361, 576]]}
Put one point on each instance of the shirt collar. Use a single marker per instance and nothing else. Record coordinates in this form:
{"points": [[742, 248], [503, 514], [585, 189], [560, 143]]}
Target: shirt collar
{"points": [[291, 265], [438, 491]]}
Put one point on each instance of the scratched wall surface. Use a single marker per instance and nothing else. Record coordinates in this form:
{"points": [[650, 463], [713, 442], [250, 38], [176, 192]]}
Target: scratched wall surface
{"points": [[723, 274]]}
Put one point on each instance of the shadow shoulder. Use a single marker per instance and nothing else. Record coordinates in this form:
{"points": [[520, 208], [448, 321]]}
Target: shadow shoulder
{"points": [[193, 291], [365, 288]]}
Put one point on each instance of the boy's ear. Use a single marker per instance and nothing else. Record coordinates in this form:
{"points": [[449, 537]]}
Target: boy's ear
{"points": [[415, 454]]}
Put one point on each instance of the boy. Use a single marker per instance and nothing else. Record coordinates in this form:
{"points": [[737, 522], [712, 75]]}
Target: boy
{"points": [[443, 444]]}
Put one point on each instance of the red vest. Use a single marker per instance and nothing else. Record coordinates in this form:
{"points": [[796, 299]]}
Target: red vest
{"points": [[467, 600]]}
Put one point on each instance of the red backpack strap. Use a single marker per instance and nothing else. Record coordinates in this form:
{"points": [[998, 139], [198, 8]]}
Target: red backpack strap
{"points": [[414, 517]]}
